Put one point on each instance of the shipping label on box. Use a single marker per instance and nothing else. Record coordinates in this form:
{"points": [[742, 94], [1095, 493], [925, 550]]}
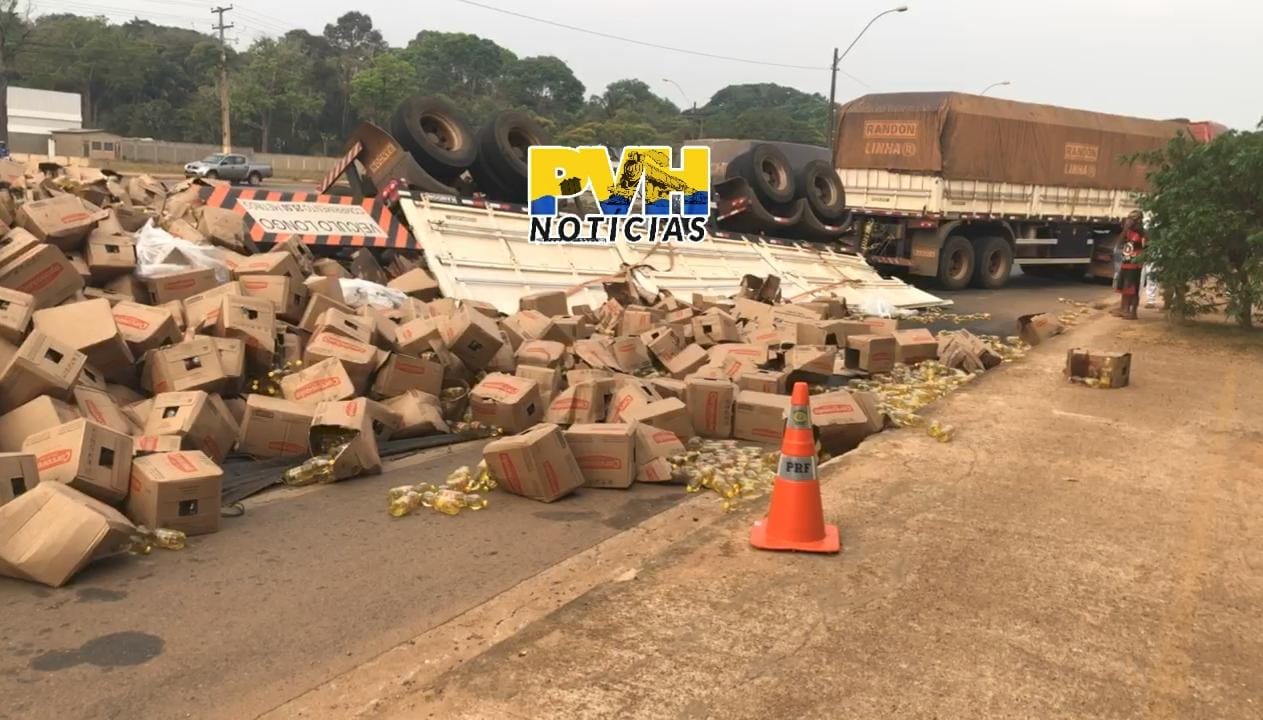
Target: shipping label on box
{"points": [[324, 381]]}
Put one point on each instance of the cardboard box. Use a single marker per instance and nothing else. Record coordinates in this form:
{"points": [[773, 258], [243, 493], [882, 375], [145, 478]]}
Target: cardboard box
{"points": [[322, 382], [232, 356], [38, 414], [359, 359], [402, 373], [317, 306], [150, 444], [201, 311], [355, 327], [658, 470], [716, 326], [274, 427], [813, 359], [655, 443], [177, 490], [99, 407], [737, 361], [532, 325], [17, 475], [710, 406], [80, 265], [472, 337], [14, 244], [686, 361], [180, 285], [144, 328], [537, 464], [962, 349], [765, 381], [664, 342], [45, 273], [251, 320], [343, 417], [776, 335], [507, 401], [109, 256], [631, 354], [668, 387], [272, 263], [752, 311], [365, 267], [841, 421], [682, 316], [62, 220], [138, 412], [89, 327], [1109, 369], [597, 352], [881, 326], [41, 366], [605, 453], [416, 283], [547, 378], [913, 346], [1034, 329], [287, 295], [419, 414], [760, 416], [191, 365], [51, 532], [637, 319], [873, 353], [176, 308], [828, 332], [627, 395], [416, 336], [669, 414], [541, 353], [797, 312], [573, 328], [580, 403], [549, 302], [16, 309], [89, 457], [870, 403], [303, 255], [328, 285], [204, 424]]}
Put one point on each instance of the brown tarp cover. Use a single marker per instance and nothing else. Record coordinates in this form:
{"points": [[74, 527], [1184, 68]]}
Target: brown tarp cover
{"points": [[970, 137]]}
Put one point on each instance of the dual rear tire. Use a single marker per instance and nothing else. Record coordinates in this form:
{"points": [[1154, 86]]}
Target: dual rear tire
{"points": [[984, 262]]}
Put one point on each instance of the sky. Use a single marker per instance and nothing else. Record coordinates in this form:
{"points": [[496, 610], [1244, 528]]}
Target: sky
{"points": [[1149, 58]]}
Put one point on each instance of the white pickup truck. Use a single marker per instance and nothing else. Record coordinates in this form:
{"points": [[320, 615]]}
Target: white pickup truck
{"points": [[227, 166]]}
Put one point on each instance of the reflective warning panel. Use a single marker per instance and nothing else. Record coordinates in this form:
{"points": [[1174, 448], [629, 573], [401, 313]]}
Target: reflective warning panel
{"points": [[272, 217]]}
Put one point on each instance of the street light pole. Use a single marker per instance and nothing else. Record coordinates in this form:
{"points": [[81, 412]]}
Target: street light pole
{"points": [[833, 77], [994, 85], [687, 101]]}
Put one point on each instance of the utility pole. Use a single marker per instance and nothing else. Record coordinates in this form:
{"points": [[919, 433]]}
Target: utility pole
{"points": [[833, 79], [225, 118]]}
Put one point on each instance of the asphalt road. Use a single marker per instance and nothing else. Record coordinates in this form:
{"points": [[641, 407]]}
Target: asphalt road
{"points": [[312, 582]]}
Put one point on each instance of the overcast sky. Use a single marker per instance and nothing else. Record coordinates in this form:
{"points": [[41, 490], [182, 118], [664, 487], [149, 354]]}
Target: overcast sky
{"points": [[1153, 58]]}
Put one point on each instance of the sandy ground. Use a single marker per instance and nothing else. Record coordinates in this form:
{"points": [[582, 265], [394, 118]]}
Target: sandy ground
{"points": [[1073, 553]]}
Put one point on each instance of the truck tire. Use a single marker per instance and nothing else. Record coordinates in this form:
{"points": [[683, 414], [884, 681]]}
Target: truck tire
{"points": [[819, 183], [502, 145], [430, 129], [993, 262], [768, 171], [956, 263]]}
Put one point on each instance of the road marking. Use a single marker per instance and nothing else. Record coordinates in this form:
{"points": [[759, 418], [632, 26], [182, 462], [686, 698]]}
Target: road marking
{"points": [[1087, 418], [1169, 683]]}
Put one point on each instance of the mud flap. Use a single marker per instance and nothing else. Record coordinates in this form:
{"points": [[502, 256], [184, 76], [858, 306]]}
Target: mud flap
{"points": [[924, 253]]}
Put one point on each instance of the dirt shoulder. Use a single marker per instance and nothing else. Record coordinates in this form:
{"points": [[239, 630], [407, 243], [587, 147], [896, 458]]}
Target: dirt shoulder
{"points": [[1072, 553]]}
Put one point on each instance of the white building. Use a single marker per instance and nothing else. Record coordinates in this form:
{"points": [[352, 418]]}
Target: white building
{"points": [[35, 114]]}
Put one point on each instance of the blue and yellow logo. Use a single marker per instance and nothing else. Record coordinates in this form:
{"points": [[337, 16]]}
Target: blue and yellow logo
{"points": [[646, 198]]}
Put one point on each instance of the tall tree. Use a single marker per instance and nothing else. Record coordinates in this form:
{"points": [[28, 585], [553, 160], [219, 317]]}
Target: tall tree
{"points": [[545, 86], [273, 87], [379, 88], [355, 41], [15, 29], [465, 68]]}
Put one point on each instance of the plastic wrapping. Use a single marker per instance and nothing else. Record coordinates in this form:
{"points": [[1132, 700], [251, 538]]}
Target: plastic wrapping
{"points": [[158, 252], [361, 293]]}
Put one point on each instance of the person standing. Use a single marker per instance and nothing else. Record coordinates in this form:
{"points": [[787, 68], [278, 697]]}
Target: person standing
{"points": [[1129, 273]]}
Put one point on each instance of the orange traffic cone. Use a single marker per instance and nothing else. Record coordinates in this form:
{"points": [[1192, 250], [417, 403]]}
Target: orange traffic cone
{"points": [[795, 518]]}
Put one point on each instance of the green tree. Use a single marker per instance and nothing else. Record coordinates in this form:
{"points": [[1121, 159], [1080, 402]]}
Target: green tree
{"points": [[767, 111], [379, 88], [355, 42], [15, 29], [544, 85], [467, 69], [274, 87], [1205, 212]]}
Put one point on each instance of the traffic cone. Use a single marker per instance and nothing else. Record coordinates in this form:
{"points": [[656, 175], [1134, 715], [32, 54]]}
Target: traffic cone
{"points": [[795, 518]]}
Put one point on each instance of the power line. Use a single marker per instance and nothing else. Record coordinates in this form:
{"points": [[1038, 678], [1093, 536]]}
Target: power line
{"points": [[107, 10], [646, 43]]}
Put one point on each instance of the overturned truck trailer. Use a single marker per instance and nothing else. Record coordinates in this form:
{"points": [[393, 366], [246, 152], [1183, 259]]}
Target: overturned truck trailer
{"points": [[960, 187]]}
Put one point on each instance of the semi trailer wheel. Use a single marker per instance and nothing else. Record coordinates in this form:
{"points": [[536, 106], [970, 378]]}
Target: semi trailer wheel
{"points": [[820, 184], [502, 145], [956, 263], [993, 262], [432, 131], [768, 171]]}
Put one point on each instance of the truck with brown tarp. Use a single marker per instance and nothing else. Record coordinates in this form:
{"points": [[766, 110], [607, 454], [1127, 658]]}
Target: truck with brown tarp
{"points": [[960, 187]]}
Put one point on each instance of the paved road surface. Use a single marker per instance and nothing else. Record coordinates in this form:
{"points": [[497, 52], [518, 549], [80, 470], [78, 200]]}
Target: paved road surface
{"points": [[310, 583]]}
